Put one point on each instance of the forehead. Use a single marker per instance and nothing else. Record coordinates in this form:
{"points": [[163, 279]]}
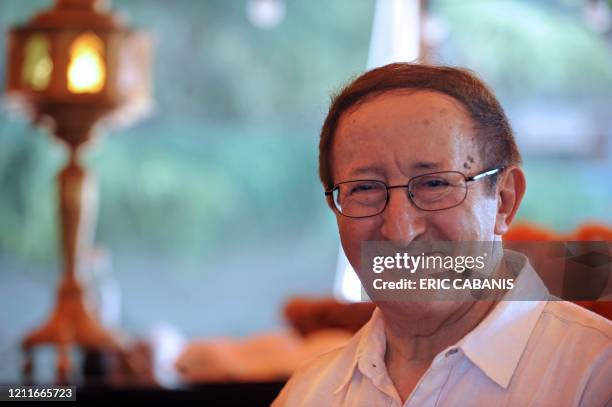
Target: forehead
{"points": [[403, 133]]}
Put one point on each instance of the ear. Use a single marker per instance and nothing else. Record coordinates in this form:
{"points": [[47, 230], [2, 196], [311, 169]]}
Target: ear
{"points": [[511, 187]]}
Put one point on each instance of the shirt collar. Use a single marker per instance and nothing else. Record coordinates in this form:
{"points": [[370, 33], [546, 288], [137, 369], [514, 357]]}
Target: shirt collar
{"points": [[498, 342], [370, 351]]}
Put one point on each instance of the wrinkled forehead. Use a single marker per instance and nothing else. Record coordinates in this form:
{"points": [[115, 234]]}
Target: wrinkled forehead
{"points": [[405, 110], [405, 129]]}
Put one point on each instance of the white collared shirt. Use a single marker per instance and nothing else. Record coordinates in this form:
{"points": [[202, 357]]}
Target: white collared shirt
{"points": [[524, 353]]}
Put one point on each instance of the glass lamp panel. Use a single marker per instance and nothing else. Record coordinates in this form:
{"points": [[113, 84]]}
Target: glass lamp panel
{"points": [[38, 65], [86, 69]]}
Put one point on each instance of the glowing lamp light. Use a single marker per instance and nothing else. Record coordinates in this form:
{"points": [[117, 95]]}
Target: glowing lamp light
{"points": [[86, 71]]}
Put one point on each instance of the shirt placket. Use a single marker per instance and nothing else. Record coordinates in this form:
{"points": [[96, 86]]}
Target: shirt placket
{"points": [[376, 372], [428, 389]]}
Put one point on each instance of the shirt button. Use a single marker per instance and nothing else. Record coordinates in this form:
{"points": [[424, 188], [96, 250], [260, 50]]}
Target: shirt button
{"points": [[450, 352]]}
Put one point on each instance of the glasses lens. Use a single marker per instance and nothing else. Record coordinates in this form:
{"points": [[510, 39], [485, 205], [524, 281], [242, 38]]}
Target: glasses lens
{"points": [[437, 191], [360, 198]]}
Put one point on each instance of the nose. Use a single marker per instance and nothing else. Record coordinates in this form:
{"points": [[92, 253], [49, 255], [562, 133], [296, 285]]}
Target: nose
{"points": [[402, 222]]}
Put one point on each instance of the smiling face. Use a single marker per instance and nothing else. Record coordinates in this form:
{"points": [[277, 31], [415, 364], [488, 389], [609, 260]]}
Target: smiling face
{"points": [[398, 135]]}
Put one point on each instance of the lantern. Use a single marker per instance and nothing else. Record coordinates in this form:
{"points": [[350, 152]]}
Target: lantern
{"points": [[74, 67]]}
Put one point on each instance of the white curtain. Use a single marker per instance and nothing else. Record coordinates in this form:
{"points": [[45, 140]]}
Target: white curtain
{"points": [[395, 38]]}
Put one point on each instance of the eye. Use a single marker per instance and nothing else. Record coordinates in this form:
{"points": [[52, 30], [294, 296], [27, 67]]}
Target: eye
{"points": [[362, 188], [434, 183]]}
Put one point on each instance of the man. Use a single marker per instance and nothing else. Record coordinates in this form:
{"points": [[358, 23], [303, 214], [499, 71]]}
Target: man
{"points": [[384, 132]]}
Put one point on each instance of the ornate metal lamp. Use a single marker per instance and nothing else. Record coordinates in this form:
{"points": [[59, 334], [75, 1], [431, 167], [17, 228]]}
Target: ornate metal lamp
{"points": [[74, 67]]}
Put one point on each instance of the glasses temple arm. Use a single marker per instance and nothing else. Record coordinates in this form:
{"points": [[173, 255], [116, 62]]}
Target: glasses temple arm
{"points": [[484, 174]]}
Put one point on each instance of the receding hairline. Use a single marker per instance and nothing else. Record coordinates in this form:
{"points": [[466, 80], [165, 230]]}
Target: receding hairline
{"points": [[370, 97]]}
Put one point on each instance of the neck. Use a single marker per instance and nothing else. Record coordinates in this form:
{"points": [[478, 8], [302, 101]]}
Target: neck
{"points": [[420, 340], [413, 343], [418, 331]]}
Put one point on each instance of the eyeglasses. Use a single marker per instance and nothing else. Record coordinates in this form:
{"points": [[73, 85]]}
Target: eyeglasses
{"points": [[435, 191]]}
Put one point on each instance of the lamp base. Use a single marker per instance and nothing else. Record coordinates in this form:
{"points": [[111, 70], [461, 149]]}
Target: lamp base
{"points": [[70, 323]]}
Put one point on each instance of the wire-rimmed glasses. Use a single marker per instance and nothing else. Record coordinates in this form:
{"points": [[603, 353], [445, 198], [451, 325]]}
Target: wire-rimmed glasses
{"points": [[429, 192]]}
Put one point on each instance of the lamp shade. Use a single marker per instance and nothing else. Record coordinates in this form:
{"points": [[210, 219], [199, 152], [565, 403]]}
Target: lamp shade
{"points": [[76, 58]]}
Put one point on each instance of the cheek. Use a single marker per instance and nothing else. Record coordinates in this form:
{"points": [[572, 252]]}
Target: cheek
{"points": [[485, 213], [352, 233], [450, 226], [472, 221]]}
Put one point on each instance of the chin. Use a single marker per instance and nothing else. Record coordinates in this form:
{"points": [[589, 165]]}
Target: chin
{"points": [[419, 310]]}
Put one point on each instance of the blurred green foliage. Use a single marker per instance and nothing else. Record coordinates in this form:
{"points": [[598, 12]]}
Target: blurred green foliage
{"points": [[229, 154], [529, 49]]}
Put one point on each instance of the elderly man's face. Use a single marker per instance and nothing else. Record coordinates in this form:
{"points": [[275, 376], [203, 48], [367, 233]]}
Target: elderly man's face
{"points": [[398, 135]]}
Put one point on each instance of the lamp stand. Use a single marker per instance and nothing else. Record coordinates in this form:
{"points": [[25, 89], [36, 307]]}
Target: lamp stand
{"points": [[71, 323]]}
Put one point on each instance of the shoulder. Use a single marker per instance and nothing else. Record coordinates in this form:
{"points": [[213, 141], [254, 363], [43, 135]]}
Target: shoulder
{"points": [[320, 377], [568, 356], [584, 342], [575, 320], [578, 336], [332, 367]]}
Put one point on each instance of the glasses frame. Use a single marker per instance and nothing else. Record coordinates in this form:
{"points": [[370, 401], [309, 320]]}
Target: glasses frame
{"points": [[329, 193]]}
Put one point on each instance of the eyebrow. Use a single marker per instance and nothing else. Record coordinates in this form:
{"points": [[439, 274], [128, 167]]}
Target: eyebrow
{"points": [[367, 170], [420, 165], [425, 165]]}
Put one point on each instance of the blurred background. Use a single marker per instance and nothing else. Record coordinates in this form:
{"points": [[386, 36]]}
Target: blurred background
{"points": [[211, 215]]}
